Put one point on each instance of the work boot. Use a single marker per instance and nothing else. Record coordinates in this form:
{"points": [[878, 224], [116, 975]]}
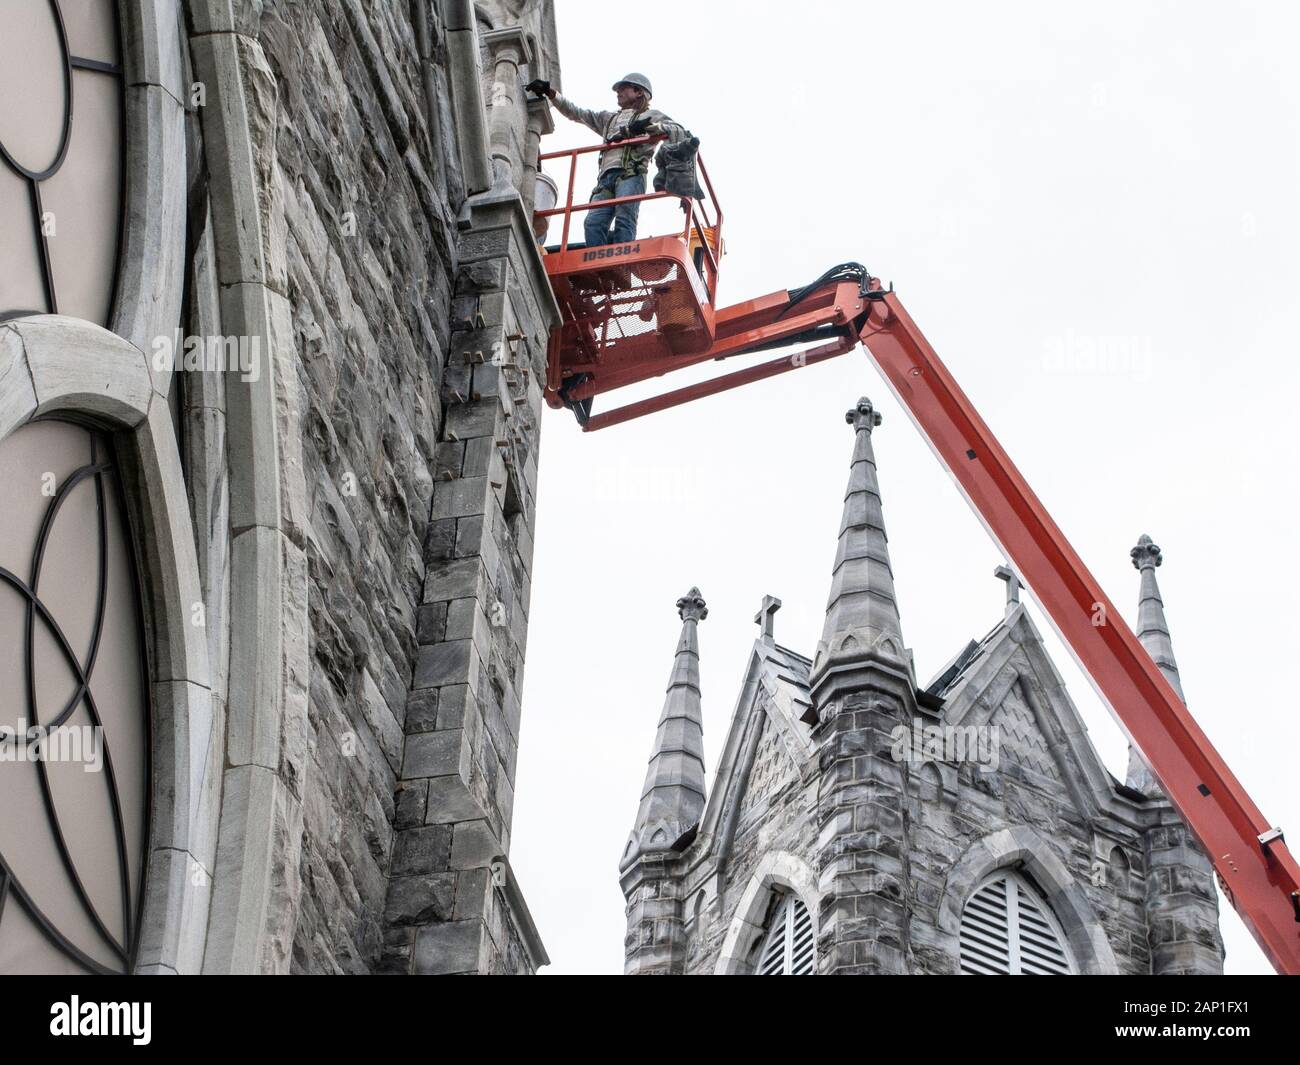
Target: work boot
{"points": [[582, 407]]}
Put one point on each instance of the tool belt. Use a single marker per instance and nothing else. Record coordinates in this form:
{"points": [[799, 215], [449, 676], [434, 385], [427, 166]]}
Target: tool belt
{"points": [[639, 170], [634, 165]]}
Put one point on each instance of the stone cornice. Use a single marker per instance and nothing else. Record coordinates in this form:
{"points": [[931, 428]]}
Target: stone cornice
{"points": [[503, 877]]}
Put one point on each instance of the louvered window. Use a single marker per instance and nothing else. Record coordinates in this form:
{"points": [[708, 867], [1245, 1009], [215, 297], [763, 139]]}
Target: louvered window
{"points": [[1007, 928], [788, 949]]}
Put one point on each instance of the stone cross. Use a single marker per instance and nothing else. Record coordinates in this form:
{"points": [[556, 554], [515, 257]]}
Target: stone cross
{"points": [[1004, 573], [766, 616], [863, 416]]}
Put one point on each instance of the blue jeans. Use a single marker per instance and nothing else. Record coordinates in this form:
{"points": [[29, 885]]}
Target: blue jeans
{"points": [[612, 184]]}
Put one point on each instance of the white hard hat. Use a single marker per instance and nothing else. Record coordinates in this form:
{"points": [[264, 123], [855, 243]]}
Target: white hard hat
{"points": [[638, 80]]}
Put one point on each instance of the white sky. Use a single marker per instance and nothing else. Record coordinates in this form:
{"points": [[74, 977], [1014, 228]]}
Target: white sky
{"points": [[1039, 182]]}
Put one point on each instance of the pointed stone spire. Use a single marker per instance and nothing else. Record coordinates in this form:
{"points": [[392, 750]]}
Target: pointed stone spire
{"points": [[672, 798], [861, 614], [1153, 632]]}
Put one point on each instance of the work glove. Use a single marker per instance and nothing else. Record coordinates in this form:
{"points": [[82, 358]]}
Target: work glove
{"points": [[540, 87], [640, 127]]}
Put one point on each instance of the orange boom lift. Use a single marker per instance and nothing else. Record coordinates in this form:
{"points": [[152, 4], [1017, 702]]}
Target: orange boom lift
{"points": [[639, 310]]}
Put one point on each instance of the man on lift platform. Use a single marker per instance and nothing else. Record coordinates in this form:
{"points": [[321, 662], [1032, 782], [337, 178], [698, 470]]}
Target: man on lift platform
{"points": [[622, 170]]}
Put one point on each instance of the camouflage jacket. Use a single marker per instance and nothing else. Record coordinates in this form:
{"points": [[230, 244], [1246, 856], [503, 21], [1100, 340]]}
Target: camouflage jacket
{"points": [[634, 159]]}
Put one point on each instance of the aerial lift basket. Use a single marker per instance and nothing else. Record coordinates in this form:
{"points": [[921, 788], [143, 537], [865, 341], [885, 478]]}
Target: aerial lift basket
{"points": [[636, 303]]}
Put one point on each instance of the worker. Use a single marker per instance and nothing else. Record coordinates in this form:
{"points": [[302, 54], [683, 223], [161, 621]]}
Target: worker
{"points": [[622, 170]]}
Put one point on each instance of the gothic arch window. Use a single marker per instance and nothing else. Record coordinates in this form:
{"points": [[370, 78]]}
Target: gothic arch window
{"points": [[697, 907], [788, 948], [1119, 874], [1007, 928], [61, 158], [74, 708], [778, 876]]}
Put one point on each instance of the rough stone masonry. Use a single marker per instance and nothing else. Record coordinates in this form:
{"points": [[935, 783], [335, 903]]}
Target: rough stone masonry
{"points": [[392, 157]]}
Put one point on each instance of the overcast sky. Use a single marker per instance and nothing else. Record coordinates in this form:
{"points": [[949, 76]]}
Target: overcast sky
{"points": [[1092, 213]]}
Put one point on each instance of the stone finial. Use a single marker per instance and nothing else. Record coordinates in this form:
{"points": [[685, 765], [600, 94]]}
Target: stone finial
{"points": [[863, 416], [1146, 554], [1153, 634], [691, 606], [766, 616], [1006, 573]]}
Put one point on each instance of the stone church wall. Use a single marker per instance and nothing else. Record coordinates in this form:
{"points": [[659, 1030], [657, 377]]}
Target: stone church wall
{"points": [[368, 195], [407, 312]]}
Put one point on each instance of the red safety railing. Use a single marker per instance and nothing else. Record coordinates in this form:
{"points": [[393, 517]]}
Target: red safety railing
{"points": [[707, 232]]}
